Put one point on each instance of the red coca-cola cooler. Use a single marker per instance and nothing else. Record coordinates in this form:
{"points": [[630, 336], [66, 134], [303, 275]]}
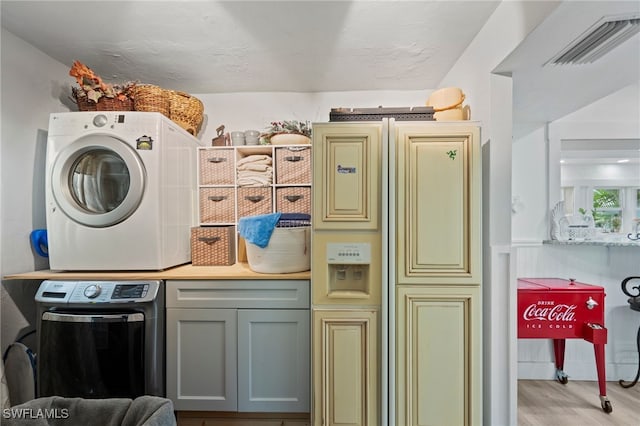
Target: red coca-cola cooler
{"points": [[559, 309]]}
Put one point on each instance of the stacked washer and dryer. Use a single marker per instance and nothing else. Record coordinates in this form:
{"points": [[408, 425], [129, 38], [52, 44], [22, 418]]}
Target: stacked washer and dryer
{"points": [[120, 196]]}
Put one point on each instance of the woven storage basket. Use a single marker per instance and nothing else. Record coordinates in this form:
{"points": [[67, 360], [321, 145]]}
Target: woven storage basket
{"points": [[214, 245], [293, 165], [216, 166], [150, 98], [114, 104], [217, 205], [293, 199], [254, 201], [185, 110]]}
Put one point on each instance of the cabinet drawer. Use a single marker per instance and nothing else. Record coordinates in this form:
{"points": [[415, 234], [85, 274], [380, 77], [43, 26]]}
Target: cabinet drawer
{"points": [[216, 166], [257, 294], [293, 165], [253, 201], [293, 199], [217, 205]]}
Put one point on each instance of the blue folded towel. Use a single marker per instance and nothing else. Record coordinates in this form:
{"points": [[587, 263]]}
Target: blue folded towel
{"points": [[258, 229]]}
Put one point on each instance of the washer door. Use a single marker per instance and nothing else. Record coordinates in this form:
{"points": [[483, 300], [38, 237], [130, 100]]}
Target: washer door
{"points": [[98, 180]]}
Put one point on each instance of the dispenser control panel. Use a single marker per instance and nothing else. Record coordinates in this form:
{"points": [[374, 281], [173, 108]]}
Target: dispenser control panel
{"points": [[349, 253]]}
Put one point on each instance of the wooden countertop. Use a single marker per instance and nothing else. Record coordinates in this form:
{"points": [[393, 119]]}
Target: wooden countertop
{"points": [[238, 271]]}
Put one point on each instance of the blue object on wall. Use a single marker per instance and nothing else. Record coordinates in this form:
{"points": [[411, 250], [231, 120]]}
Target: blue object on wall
{"points": [[39, 242]]}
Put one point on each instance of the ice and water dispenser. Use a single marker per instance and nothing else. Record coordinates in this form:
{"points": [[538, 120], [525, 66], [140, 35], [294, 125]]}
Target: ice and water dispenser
{"points": [[348, 265]]}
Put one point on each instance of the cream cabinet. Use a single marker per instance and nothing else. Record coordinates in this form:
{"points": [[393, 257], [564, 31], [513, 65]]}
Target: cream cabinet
{"points": [[438, 221], [438, 369], [240, 346], [347, 272], [345, 361], [347, 174], [411, 193], [437, 280]]}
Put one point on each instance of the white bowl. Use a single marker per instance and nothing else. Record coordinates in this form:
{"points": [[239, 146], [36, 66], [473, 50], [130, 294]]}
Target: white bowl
{"points": [[289, 139]]}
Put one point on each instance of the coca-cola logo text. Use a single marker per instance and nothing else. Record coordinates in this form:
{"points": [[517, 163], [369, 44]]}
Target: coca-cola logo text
{"points": [[560, 312]]}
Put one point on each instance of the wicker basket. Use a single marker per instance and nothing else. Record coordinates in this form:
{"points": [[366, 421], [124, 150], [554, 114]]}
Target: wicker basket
{"points": [[83, 102], [150, 98], [114, 104], [216, 166], [293, 165], [293, 199], [254, 200], [217, 205], [212, 246], [185, 110]]}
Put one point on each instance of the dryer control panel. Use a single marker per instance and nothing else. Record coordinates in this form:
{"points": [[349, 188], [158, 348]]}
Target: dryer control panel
{"points": [[83, 292]]}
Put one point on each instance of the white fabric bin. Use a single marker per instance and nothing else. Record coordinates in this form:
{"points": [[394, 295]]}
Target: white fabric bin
{"points": [[289, 250]]}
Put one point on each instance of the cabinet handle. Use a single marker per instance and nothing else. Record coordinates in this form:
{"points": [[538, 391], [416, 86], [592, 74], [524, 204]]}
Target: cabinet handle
{"points": [[217, 198], [216, 159], [209, 240], [293, 198], [254, 198], [294, 158]]}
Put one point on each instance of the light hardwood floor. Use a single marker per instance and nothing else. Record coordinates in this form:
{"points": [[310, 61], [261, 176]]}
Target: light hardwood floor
{"points": [[547, 402]]}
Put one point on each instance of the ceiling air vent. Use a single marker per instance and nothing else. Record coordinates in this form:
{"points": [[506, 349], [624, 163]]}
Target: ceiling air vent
{"points": [[597, 41]]}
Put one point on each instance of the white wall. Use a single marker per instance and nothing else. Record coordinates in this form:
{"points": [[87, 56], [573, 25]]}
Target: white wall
{"points": [[30, 91], [254, 111], [529, 183], [490, 99]]}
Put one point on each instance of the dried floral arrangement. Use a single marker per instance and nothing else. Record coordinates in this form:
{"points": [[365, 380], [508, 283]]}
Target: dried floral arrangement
{"points": [[93, 87], [287, 126]]}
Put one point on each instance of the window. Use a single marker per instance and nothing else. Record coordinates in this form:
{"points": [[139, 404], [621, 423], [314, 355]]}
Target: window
{"points": [[607, 209], [568, 198]]}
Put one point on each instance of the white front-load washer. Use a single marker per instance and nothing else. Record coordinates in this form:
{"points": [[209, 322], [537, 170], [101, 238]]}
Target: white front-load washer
{"points": [[120, 191]]}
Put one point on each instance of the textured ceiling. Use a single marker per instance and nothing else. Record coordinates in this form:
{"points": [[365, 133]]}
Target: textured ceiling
{"points": [[319, 46], [240, 46]]}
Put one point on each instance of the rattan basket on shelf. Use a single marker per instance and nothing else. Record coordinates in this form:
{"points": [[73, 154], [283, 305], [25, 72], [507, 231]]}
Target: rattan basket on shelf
{"points": [[114, 104], [185, 110], [103, 104], [151, 98], [83, 102]]}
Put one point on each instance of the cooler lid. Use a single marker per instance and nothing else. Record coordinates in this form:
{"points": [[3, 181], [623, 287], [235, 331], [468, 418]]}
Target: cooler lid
{"points": [[544, 284]]}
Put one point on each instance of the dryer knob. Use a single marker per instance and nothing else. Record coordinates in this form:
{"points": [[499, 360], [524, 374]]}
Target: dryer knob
{"points": [[92, 291], [100, 120]]}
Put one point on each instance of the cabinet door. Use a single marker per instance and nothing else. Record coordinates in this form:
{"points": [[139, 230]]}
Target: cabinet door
{"points": [[438, 204], [201, 359], [438, 356], [346, 168], [346, 370], [273, 360]]}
